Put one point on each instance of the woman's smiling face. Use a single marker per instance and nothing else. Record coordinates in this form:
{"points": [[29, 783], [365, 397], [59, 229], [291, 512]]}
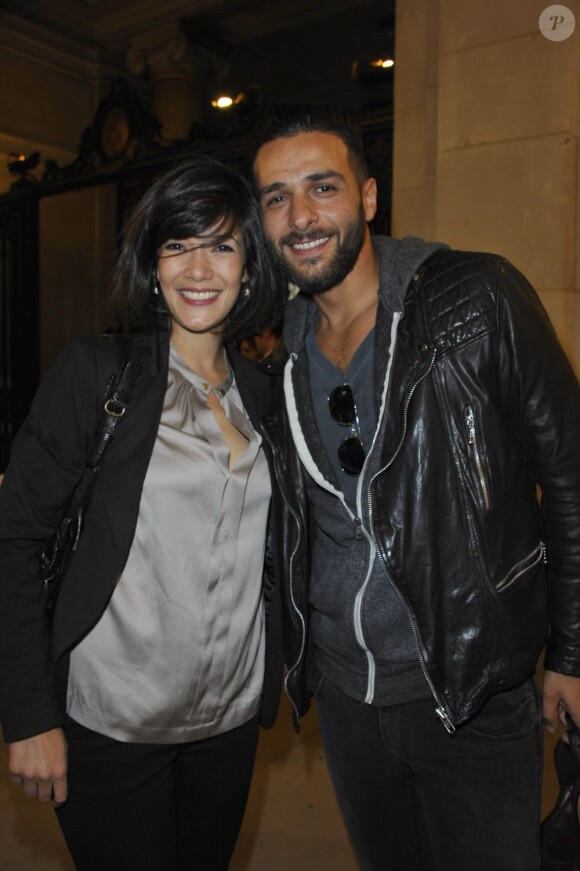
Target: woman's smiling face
{"points": [[200, 279]]}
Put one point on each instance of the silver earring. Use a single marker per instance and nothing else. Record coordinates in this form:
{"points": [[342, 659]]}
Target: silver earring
{"points": [[156, 290], [246, 290]]}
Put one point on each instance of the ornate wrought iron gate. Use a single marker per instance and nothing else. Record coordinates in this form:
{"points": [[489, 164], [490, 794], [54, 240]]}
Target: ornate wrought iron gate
{"points": [[19, 320]]}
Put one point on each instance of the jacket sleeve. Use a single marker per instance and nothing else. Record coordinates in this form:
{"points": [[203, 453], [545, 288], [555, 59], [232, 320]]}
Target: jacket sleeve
{"points": [[48, 458], [541, 397]]}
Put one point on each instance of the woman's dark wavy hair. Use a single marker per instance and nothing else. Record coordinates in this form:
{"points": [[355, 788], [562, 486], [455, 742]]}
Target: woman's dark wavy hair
{"points": [[196, 196], [289, 118]]}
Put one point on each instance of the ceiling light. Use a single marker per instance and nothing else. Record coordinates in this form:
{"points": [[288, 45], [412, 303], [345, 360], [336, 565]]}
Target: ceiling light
{"points": [[223, 102], [372, 72], [226, 102], [245, 104]]}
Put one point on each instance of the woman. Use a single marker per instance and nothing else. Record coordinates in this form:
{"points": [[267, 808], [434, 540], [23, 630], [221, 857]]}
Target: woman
{"points": [[138, 714]]}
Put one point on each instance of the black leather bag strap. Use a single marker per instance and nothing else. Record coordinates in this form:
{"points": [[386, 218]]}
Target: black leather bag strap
{"points": [[56, 557], [115, 401], [115, 404], [574, 740]]}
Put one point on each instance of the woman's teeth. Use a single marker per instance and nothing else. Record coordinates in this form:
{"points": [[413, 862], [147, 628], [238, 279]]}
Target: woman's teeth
{"points": [[199, 294]]}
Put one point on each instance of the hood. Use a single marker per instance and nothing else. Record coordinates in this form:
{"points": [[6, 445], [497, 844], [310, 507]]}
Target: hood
{"points": [[399, 259]]}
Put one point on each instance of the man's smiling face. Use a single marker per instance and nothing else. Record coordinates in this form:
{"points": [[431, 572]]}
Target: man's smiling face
{"points": [[315, 210]]}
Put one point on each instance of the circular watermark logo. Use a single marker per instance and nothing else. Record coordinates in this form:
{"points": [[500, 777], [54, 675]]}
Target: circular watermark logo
{"points": [[557, 23]]}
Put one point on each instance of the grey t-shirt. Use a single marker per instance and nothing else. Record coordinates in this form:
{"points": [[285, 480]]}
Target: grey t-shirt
{"points": [[324, 377]]}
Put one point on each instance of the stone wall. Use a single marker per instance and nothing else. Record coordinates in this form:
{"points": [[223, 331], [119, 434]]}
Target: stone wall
{"points": [[486, 141], [51, 88]]}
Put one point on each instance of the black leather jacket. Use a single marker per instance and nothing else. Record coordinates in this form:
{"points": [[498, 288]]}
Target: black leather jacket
{"points": [[483, 408]]}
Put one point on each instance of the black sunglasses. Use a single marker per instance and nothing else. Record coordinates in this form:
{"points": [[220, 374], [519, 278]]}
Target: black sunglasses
{"points": [[342, 408]]}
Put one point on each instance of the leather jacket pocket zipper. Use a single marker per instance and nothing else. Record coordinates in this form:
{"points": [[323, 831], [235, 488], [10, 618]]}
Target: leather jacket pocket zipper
{"points": [[475, 445], [521, 567]]}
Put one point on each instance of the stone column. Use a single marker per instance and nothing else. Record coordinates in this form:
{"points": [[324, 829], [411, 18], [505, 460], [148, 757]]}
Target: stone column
{"points": [[177, 73], [487, 141]]}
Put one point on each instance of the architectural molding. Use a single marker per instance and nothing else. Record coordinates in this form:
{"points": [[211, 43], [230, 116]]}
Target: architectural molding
{"points": [[45, 47], [14, 140]]}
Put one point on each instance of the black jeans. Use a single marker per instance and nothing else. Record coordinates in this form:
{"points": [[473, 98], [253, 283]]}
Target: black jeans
{"points": [[417, 799], [156, 807]]}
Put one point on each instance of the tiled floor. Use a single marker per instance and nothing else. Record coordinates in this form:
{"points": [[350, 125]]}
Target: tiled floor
{"points": [[291, 822]]}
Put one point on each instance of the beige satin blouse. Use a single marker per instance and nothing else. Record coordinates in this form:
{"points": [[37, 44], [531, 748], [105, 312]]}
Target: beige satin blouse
{"points": [[178, 653]]}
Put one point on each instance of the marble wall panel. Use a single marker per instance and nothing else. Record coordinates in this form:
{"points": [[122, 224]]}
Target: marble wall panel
{"points": [[510, 90]]}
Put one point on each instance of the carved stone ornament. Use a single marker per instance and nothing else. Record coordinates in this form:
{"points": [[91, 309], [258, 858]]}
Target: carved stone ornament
{"points": [[123, 128]]}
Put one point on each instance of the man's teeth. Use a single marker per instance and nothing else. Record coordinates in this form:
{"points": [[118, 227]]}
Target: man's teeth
{"points": [[199, 294], [304, 246]]}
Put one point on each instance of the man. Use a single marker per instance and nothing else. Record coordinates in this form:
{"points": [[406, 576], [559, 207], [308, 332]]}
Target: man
{"points": [[427, 397]]}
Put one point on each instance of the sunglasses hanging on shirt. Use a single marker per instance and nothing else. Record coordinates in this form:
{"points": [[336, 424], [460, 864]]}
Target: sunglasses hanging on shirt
{"points": [[342, 408]]}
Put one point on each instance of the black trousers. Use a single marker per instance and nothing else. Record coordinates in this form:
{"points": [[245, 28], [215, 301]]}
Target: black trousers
{"points": [[417, 799], [156, 807]]}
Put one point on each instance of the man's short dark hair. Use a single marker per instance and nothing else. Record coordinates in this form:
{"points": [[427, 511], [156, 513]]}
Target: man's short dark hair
{"points": [[291, 118]]}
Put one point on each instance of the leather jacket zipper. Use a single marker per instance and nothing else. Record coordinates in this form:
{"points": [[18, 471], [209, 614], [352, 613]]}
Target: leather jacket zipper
{"points": [[280, 481], [474, 443], [440, 710], [521, 567]]}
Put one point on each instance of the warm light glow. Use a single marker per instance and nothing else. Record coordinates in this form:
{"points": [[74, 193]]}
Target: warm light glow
{"points": [[385, 64], [222, 103], [226, 102]]}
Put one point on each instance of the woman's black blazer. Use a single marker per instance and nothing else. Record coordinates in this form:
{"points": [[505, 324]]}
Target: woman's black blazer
{"points": [[48, 458]]}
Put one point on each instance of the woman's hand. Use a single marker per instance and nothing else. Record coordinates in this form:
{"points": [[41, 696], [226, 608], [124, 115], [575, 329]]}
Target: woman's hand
{"points": [[39, 764]]}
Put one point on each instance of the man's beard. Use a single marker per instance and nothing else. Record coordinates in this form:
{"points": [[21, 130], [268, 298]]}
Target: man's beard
{"points": [[324, 278]]}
